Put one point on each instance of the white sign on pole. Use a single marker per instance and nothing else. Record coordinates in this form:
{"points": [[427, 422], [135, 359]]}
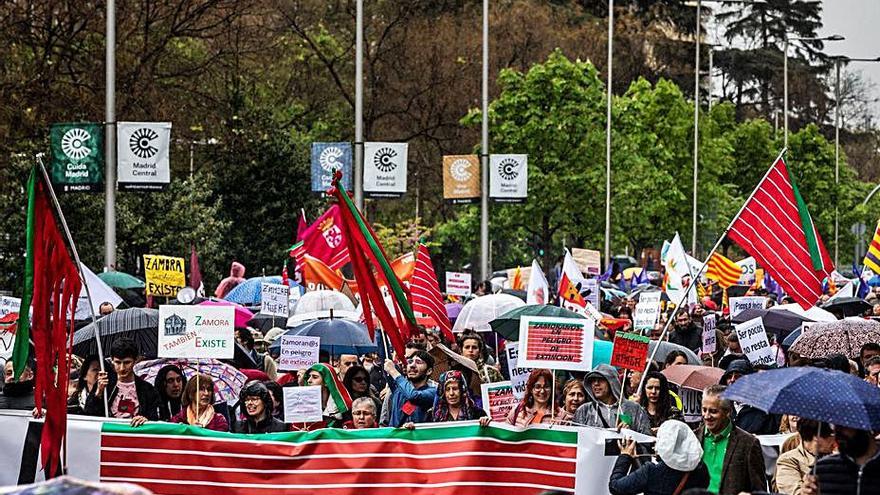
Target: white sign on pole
{"points": [[196, 331], [385, 169], [518, 376], [274, 299], [303, 404], [753, 340], [298, 352], [9, 305], [458, 284], [588, 260], [591, 287], [647, 311], [556, 343], [142, 151], [740, 304], [748, 267], [709, 337], [508, 178]]}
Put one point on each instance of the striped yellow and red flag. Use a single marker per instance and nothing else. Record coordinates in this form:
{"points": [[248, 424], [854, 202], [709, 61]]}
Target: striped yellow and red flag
{"points": [[872, 257], [723, 270]]}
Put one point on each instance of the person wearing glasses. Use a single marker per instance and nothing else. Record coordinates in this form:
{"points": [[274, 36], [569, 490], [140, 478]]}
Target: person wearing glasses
{"points": [[535, 408], [357, 382], [412, 395]]}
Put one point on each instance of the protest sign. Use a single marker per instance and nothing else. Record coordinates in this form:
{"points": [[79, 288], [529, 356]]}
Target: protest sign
{"points": [[709, 340], [692, 403], [196, 331], [508, 178], [77, 156], [498, 399], [385, 169], [461, 178], [9, 305], [298, 352], [740, 304], [556, 343], [588, 260], [303, 404], [518, 376], [630, 351], [749, 267], [274, 299], [328, 158], [647, 311], [753, 340], [165, 275], [458, 284], [142, 155], [590, 291]]}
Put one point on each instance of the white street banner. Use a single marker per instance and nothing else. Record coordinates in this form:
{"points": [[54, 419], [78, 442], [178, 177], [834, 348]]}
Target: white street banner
{"points": [[740, 304], [508, 178], [302, 404], [274, 299], [647, 311], [518, 376], [710, 343], [142, 151], [458, 284], [298, 352], [385, 167], [196, 331], [753, 340]]}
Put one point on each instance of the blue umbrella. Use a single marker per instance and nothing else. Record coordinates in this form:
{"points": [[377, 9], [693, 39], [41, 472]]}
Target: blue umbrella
{"points": [[249, 293], [823, 395], [874, 281], [338, 336]]}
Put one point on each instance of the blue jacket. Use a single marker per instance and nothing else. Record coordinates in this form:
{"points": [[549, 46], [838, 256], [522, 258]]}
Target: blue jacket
{"points": [[652, 478], [402, 391]]}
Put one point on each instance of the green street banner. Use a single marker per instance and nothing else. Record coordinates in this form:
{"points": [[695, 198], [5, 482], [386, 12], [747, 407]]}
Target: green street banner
{"points": [[443, 459], [77, 156]]}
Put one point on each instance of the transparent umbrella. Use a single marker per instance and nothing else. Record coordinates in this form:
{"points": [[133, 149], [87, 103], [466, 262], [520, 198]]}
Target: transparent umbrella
{"points": [[477, 313]]}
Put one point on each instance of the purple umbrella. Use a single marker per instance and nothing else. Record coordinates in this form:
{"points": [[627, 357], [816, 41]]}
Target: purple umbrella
{"points": [[452, 310]]}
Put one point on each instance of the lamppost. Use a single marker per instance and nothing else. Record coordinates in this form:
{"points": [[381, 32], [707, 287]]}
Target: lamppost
{"points": [[834, 37], [608, 138]]}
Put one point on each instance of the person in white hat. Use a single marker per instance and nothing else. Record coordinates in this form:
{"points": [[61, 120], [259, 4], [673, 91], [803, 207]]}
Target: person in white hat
{"points": [[679, 468]]}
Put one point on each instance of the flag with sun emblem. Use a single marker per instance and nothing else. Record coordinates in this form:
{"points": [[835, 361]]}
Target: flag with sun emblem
{"points": [[77, 156], [142, 151], [385, 169], [508, 178]]}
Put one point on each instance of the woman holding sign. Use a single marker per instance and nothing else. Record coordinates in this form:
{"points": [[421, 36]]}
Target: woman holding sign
{"points": [[198, 405], [334, 397], [536, 404]]}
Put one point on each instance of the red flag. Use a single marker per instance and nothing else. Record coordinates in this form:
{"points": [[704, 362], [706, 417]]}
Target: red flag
{"points": [[425, 292], [195, 274], [323, 240], [302, 225], [776, 228]]}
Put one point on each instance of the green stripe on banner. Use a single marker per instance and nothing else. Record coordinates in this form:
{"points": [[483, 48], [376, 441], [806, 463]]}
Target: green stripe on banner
{"points": [[419, 434], [806, 225]]}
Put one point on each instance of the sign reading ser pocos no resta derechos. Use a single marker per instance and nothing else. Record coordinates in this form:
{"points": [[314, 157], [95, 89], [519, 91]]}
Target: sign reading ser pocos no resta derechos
{"points": [[196, 332]]}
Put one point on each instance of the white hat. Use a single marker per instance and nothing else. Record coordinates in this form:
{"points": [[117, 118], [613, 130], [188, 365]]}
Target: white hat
{"points": [[678, 447], [273, 334]]}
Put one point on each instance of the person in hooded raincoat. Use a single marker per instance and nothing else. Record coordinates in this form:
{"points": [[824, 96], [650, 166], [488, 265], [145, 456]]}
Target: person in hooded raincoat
{"points": [[600, 411], [236, 276]]}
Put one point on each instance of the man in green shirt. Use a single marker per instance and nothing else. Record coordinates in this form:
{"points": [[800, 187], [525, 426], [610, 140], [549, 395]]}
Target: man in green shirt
{"points": [[733, 456]]}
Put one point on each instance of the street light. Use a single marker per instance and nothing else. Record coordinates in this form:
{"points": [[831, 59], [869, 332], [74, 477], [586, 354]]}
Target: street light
{"points": [[608, 138], [834, 37]]}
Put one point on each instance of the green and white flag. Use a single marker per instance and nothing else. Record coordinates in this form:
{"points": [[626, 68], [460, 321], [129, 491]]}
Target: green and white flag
{"points": [[77, 156]]}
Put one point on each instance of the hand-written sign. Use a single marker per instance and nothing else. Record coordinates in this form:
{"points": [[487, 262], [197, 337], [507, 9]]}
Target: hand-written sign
{"points": [[630, 351], [302, 404], [518, 376], [458, 284], [740, 304], [196, 331], [164, 275], [498, 399], [298, 352], [709, 338], [9, 305], [647, 311], [556, 343], [274, 299], [753, 340]]}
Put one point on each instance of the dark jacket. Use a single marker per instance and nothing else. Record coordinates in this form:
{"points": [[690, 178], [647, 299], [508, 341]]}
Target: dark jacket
{"points": [[690, 336], [756, 421], [839, 475], [22, 398], [744, 469], [268, 425], [168, 406], [148, 398], [652, 478]]}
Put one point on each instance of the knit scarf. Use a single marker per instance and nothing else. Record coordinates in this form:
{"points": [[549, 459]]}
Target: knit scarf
{"points": [[206, 414]]}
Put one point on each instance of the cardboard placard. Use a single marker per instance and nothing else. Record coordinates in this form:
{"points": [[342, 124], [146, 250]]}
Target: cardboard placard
{"points": [[740, 304], [630, 351], [458, 284], [274, 299], [588, 260], [164, 275], [754, 343], [298, 352], [303, 404], [556, 343], [709, 339], [647, 311], [518, 376], [196, 331], [498, 399]]}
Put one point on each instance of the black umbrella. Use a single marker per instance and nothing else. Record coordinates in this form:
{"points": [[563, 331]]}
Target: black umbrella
{"points": [[780, 322], [847, 306], [138, 324], [264, 323]]}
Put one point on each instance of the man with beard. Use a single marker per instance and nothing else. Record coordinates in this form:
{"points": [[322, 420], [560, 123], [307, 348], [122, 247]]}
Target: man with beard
{"points": [[17, 393], [855, 470], [411, 395], [685, 332]]}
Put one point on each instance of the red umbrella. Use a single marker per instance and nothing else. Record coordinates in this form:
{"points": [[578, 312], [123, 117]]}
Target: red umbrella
{"points": [[693, 377]]}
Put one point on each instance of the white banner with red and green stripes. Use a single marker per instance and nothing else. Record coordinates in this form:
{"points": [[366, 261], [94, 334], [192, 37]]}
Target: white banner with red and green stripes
{"points": [[450, 458]]}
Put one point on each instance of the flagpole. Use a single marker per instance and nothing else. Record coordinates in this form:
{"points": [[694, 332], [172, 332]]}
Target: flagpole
{"points": [[692, 285], [78, 265]]}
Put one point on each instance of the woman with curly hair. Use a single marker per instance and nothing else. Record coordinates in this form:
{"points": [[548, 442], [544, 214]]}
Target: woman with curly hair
{"points": [[536, 404]]}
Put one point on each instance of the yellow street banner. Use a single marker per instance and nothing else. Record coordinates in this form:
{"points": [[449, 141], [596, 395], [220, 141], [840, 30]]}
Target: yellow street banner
{"points": [[165, 275]]}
